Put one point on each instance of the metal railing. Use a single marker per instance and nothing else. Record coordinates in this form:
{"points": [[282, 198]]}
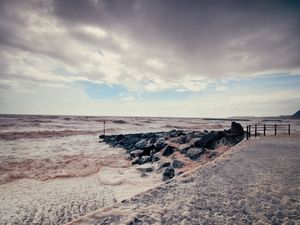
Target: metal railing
{"points": [[262, 129]]}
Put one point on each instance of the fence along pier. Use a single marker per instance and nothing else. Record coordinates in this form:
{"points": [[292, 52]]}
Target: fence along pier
{"points": [[257, 129]]}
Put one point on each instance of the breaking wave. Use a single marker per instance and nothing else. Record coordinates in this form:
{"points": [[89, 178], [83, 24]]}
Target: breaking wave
{"points": [[58, 167], [43, 134]]}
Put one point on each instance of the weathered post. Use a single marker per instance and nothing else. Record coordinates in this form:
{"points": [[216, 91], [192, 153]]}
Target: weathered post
{"points": [[264, 129], [289, 129], [104, 128], [249, 131], [255, 131], [275, 129]]}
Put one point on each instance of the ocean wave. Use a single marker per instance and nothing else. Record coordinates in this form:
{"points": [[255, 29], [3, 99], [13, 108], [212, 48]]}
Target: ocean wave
{"points": [[60, 167], [43, 134]]}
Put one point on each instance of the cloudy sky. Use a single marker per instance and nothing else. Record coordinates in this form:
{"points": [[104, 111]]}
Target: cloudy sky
{"points": [[150, 58]]}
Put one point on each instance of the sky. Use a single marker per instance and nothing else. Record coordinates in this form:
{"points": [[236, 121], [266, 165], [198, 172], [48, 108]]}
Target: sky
{"points": [[177, 58]]}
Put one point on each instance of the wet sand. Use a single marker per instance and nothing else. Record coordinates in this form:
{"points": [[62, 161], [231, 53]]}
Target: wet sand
{"points": [[256, 182]]}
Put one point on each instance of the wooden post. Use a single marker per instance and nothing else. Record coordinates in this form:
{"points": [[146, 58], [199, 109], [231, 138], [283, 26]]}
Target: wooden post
{"points": [[249, 131], [275, 129], [289, 129], [264, 129], [255, 131], [103, 127]]}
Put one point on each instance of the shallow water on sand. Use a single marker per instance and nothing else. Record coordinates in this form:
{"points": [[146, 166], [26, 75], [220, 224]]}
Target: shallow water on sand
{"points": [[46, 147]]}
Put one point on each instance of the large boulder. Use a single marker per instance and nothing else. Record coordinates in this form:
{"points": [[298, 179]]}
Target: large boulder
{"points": [[162, 165], [129, 141], [195, 153], [160, 144], [236, 129], [142, 144], [136, 153], [183, 148], [145, 145], [149, 136], [168, 174], [141, 160], [209, 140], [169, 150], [180, 139], [177, 164], [120, 137]]}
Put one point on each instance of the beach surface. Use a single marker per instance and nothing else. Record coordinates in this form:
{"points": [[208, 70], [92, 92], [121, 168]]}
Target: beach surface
{"points": [[53, 169], [256, 182]]}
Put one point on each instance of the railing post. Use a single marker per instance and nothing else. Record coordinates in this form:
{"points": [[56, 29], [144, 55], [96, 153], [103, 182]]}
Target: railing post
{"points": [[255, 131], [275, 129], [249, 131], [289, 129], [104, 128]]}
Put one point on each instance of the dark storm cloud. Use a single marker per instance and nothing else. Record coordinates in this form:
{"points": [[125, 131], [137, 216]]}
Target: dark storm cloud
{"points": [[265, 33], [168, 39]]}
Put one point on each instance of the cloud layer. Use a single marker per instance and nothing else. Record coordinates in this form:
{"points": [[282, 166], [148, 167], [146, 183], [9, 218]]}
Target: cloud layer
{"points": [[141, 48]]}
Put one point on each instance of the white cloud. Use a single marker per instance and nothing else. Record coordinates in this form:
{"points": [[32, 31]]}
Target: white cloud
{"points": [[94, 31]]}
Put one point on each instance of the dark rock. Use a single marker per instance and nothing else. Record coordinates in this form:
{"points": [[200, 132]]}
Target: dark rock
{"points": [[149, 136], [208, 140], [144, 175], [155, 158], [135, 160], [169, 150], [128, 157], [145, 159], [177, 164], [175, 133], [193, 134], [120, 137], [168, 174], [160, 144], [163, 164], [212, 154], [180, 140], [102, 136], [129, 143], [141, 144], [141, 160], [183, 148], [136, 153], [194, 153], [236, 129], [171, 133], [296, 115], [146, 170]]}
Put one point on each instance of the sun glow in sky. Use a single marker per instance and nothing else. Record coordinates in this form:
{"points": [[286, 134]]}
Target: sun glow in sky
{"points": [[150, 58]]}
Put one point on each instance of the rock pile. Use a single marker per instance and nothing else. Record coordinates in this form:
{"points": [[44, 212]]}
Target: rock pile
{"points": [[152, 147]]}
